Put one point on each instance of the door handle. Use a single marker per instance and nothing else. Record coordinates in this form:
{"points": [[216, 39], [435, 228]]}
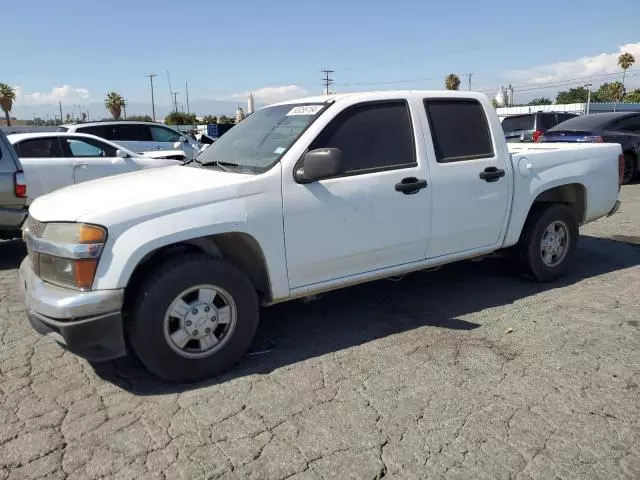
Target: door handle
{"points": [[81, 165], [492, 174], [410, 185]]}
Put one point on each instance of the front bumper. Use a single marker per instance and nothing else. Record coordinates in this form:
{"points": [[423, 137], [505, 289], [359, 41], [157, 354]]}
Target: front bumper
{"points": [[88, 324]]}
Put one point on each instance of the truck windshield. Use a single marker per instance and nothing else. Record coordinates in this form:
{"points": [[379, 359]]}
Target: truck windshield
{"points": [[256, 143]]}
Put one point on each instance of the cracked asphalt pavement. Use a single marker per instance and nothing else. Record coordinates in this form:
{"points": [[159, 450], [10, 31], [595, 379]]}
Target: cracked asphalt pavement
{"points": [[467, 372]]}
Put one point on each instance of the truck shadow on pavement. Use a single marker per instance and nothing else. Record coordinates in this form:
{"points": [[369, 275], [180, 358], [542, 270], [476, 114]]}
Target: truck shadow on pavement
{"points": [[11, 254], [293, 332]]}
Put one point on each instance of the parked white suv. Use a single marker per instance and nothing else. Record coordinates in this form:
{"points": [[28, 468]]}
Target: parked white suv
{"points": [[138, 136]]}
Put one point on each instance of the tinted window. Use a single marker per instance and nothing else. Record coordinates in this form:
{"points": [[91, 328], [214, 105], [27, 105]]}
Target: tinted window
{"points": [[629, 124], [517, 123], [161, 134], [371, 136], [131, 133], [459, 130], [563, 117], [88, 148], [97, 130], [546, 120], [39, 148]]}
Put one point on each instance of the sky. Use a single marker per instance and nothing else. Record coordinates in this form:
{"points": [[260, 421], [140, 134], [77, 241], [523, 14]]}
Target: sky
{"points": [[76, 51]]}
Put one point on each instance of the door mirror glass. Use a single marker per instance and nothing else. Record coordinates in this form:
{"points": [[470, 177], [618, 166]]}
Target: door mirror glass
{"points": [[122, 154], [183, 139], [319, 164]]}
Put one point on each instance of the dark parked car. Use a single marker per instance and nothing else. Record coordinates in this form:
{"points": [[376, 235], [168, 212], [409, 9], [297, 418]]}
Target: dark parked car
{"points": [[529, 127], [613, 127], [13, 191]]}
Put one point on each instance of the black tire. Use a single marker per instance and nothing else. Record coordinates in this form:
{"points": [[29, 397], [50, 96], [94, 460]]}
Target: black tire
{"points": [[529, 250], [630, 169], [146, 330]]}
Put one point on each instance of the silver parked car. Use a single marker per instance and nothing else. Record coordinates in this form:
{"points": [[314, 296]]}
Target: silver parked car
{"points": [[13, 191]]}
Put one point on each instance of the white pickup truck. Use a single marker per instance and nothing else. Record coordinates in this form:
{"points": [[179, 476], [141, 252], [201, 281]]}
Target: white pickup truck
{"points": [[300, 198]]}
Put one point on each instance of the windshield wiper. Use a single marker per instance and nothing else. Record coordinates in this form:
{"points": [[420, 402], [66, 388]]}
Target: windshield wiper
{"points": [[191, 160], [224, 166]]}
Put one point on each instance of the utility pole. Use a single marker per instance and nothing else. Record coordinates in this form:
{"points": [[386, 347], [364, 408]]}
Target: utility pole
{"points": [[124, 107], [175, 102], [469, 75], [186, 91], [588, 87], [327, 80], [60, 105], [153, 103]]}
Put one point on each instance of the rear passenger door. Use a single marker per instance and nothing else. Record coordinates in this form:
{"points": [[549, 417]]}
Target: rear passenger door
{"points": [[45, 168], [470, 179]]}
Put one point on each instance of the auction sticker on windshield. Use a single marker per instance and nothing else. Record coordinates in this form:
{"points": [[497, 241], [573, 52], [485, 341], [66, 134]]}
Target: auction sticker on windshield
{"points": [[305, 110]]}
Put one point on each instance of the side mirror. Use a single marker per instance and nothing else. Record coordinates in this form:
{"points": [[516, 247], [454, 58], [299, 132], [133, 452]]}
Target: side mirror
{"points": [[122, 154], [183, 139], [319, 164]]}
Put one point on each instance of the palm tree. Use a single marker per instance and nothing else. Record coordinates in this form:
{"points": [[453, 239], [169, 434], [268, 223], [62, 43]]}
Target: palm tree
{"points": [[625, 61], [616, 91], [7, 97], [452, 82], [114, 102]]}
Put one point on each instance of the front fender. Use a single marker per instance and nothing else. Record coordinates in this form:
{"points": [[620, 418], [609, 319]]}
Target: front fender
{"points": [[126, 248]]}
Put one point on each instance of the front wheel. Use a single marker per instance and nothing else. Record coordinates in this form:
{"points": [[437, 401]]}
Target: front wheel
{"points": [[194, 319], [548, 243]]}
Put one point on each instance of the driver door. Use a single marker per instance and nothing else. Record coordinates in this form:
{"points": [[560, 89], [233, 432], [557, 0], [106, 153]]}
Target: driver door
{"points": [[91, 159]]}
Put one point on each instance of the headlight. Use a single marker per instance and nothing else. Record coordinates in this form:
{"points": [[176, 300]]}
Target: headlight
{"points": [[67, 254]]}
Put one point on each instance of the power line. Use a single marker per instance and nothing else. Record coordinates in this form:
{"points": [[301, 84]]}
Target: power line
{"points": [[327, 80]]}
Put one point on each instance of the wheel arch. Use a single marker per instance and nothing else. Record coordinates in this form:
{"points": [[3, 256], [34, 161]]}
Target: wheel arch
{"points": [[237, 248]]}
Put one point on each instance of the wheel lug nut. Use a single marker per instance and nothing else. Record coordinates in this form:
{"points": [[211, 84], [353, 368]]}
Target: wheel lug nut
{"points": [[214, 318], [194, 311], [188, 323], [207, 330], [207, 309], [195, 332]]}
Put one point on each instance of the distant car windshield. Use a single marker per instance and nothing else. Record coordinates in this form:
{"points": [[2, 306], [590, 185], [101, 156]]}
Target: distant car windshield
{"points": [[256, 143], [517, 123]]}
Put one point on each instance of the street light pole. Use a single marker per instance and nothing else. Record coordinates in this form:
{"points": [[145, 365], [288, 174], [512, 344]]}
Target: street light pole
{"points": [[588, 87]]}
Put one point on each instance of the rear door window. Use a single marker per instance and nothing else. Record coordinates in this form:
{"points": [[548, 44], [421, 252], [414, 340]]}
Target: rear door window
{"points": [[563, 117], [101, 131], [518, 123], [85, 147], [132, 133], [459, 129], [39, 148], [546, 121]]}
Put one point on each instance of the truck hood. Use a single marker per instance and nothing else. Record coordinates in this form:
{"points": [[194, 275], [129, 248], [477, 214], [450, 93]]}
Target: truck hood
{"points": [[139, 193]]}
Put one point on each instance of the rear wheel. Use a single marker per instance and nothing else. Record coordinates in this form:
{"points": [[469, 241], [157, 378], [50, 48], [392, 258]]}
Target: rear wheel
{"points": [[548, 243], [194, 319], [630, 168]]}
